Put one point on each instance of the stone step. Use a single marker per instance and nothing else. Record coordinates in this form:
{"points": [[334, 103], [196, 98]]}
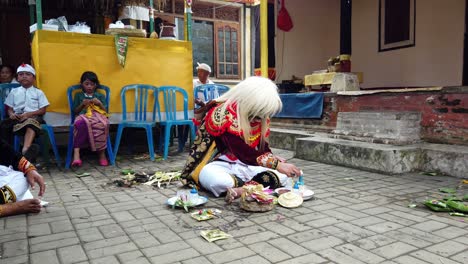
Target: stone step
{"points": [[362, 155], [286, 138], [395, 126], [391, 159]]}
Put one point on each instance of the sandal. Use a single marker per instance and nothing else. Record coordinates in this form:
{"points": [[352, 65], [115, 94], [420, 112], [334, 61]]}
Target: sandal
{"points": [[103, 162], [77, 163]]}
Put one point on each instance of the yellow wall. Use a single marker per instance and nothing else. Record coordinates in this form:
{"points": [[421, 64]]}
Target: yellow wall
{"points": [[60, 58], [437, 58]]}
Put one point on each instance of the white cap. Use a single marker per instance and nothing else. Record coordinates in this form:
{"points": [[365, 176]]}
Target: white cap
{"points": [[204, 66], [26, 68]]}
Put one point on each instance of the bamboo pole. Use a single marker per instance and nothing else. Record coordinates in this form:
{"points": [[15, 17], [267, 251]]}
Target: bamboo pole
{"points": [[264, 37], [188, 20], [39, 14], [151, 17]]}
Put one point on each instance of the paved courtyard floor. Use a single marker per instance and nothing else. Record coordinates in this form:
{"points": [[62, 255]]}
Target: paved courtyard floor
{"points": [[356, 217]]}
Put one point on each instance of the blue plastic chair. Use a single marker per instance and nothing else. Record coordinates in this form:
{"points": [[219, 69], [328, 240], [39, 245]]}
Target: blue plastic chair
{"points": [[210, 91], [168, 95], [5, 89], [109, 149], [142, 92]]}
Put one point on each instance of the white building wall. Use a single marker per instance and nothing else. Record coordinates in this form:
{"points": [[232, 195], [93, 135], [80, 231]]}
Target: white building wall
{"points": [[437, 58], [314, 38]]}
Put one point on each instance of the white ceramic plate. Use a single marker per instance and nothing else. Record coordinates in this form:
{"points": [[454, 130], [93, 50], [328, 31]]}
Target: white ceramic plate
{"points": [[277, 190], [306, 195], [201, 200]]}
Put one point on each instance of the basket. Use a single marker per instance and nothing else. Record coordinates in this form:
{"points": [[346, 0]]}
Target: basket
{"points": [[254, 206]]}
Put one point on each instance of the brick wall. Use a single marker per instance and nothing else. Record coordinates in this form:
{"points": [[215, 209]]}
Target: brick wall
{"points": [[444, 114]]}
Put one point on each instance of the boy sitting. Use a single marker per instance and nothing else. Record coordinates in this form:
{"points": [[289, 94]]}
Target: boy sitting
{"points": [[26, 108]]}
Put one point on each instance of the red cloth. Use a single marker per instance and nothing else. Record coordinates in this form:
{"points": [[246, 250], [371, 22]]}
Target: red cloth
{"points": [[284, 20]]}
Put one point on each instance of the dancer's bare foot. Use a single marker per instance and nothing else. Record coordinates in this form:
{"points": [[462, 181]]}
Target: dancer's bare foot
{"points": [[21, 207], [232, 194]]}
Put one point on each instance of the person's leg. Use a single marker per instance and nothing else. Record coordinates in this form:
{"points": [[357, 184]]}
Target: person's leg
{"points": [[217, 177], [76, 154], [80, 138], [21, 207], [102, 158], [29, 136]]}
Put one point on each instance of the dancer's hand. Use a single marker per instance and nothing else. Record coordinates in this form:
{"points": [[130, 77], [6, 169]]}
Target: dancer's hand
{"points": [[34, 177], [281, 159], [289, 169]]}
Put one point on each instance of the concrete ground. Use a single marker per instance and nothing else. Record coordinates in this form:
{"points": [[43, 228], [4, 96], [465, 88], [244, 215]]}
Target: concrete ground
{"points": [[356, 217]]}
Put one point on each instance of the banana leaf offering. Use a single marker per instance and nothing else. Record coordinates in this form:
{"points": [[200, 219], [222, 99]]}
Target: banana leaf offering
{"points": [[457, 206], [213, 235], [437, 206]]}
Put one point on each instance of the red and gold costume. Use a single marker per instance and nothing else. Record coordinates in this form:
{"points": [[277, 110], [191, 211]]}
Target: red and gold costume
{"points": [[237, 162], [229, 138]]}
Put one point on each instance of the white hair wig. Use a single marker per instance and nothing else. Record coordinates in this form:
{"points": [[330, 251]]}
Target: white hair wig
{"points": [[256, 97]]}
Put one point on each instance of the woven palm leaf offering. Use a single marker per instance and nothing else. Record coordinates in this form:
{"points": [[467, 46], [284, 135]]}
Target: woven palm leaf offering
{"points": [[255, 199]]}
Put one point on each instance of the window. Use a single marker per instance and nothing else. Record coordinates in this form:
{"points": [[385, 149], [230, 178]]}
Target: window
{"points": [[215, 36], [227, 50], [396, 24]]}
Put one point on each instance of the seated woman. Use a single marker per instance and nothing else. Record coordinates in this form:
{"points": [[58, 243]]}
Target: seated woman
{"points": [[16, 176], [238, 123], [26, 109], [91, 124]]}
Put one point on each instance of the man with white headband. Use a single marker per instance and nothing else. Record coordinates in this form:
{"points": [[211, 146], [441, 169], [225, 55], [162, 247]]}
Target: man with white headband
{"points": [[203, 72], [26, 108]]}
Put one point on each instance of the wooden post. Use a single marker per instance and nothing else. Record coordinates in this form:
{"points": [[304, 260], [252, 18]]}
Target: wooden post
{"points": [[264, 37]]}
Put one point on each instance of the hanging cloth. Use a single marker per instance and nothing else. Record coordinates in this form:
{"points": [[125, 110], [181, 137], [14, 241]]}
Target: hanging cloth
{"points": [[284, 20]]}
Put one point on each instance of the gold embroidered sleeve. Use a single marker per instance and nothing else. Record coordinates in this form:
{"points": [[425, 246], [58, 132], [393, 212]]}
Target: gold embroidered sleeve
{"points": [[268, 160]]}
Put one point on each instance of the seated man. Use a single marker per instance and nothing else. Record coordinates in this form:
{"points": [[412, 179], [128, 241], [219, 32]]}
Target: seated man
{"points": [[26, 108], [203, 72], [16, 175]]}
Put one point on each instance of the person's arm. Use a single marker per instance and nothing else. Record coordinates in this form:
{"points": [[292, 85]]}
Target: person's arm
{"points": [[11, 113], [79, 103], [251, 156], [101, 101], [9, 103], [41, 111], [10, 157]]}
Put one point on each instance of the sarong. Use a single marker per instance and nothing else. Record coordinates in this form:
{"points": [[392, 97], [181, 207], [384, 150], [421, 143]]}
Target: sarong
{"points": [[34, 123], [10, 127], [91, 131]]}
